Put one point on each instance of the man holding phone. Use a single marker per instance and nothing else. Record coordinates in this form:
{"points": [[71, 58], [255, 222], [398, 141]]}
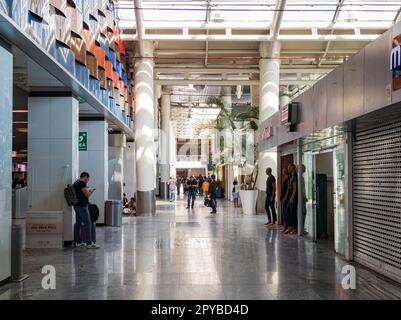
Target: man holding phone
{"points": [[82, 212]]}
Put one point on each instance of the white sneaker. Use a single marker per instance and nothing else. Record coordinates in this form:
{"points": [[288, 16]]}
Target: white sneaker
{"points": [[81, 246], [93, 246]]}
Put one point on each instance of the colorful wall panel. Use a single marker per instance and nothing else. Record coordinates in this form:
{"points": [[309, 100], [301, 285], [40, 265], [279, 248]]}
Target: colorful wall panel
{"points": [[82, 35]]}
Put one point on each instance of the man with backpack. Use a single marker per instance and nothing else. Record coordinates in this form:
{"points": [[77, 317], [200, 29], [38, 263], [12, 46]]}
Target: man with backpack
{"points": [[83, 193]]}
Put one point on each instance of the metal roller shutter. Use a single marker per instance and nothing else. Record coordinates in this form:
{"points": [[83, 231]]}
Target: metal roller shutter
{"points": [[377, 198]]}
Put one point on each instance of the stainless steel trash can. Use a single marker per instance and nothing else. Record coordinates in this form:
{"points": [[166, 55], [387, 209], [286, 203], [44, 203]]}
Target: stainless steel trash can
{"points": [[17, 254], [114, 213]]}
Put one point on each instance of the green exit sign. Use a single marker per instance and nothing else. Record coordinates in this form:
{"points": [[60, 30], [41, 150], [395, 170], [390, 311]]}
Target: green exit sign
{"points": [[83, 141]]}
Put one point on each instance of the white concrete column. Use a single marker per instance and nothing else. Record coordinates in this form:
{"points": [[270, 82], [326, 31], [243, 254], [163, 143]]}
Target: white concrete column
{"points": [[157, 137], [172, 150], [6, 143], [204, 149], [53, 160], [255, 95], [284, 97], [95, 161], [129, 177], [269, 101], [228, 142], [165, 145], [144, 135], [117, 143]]}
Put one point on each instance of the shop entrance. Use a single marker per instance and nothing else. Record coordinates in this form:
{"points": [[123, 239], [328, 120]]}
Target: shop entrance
{"points": [[322, 182]]}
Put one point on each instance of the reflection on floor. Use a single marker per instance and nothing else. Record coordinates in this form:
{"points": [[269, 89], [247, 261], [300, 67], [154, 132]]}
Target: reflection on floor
{"points": [[180, 254]]}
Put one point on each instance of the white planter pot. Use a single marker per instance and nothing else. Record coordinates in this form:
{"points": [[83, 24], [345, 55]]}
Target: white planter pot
{"points": [[249, 199]]}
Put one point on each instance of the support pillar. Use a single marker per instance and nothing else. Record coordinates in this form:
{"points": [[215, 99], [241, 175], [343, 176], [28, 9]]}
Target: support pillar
{"points": [[144, 131], [284, 97], [117, 143], [165, 143], [269, 104], [6, 144], [129, 170], [95, 161], [228, 141], [53, 160], [204, 152], [173, 150]]}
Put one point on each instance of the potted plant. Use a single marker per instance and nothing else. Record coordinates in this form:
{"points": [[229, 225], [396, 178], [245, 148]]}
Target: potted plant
{"points": [[240, 123]]}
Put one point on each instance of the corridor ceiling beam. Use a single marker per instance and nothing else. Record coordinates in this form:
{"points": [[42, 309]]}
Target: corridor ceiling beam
{"points": [[221, 83], [254, 37], [174, 70], [184, 52], [126, 25], [277, 18], [336, 14], [140, 29]]}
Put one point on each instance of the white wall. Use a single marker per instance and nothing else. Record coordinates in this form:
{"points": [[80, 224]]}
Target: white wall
{"points": [[95, 161], [53, 155], [6, 102]]}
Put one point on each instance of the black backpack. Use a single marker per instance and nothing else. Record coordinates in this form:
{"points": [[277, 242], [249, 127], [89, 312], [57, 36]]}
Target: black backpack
{"points": [[94, 212], [70, 195]]}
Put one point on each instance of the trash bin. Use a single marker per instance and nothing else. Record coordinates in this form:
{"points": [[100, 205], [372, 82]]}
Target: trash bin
{"points": [[114, 213], [17, 254]]}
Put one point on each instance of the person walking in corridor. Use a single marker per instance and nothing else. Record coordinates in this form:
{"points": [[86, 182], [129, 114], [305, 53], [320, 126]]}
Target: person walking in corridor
{"points": [[82, 212], [192, 192], [270, 202], [212, 194]]}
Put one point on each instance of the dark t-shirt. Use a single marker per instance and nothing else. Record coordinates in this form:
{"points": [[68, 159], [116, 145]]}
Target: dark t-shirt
{"points": [[269, 184], [212, 189], [192, 185], [293, 180], [284, 188], [83, 201]]}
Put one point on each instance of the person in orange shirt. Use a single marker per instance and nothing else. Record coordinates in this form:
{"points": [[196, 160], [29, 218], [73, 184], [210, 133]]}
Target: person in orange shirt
{"points": [[205, 188]]}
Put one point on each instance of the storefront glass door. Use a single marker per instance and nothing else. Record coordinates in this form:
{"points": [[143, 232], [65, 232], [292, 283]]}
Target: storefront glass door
{"points": [[308, 195], [339, 200]]}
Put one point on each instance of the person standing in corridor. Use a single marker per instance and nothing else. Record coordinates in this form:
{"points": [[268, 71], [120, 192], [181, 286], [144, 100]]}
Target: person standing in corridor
{"points": [[172, 186], [270, 203], [82, 212], [192, 192], [212, 194]]}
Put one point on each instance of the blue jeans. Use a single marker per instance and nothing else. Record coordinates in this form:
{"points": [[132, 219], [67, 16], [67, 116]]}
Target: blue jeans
{"points": [[284, 205], [191, 196], [292, 214], [83, 217], [270, 206], [172, 195]]}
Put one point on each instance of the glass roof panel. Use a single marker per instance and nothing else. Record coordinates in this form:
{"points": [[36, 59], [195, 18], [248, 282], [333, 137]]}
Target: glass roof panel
{"points": [[369, 11], [304, 11], [298, 13]]}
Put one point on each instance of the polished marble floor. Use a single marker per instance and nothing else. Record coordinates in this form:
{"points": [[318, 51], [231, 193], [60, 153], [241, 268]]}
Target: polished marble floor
{"points": [[181, 254]]}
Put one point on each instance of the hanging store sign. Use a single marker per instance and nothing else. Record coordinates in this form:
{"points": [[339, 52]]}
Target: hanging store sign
{"points": [[289, 115], [395, 63]]}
